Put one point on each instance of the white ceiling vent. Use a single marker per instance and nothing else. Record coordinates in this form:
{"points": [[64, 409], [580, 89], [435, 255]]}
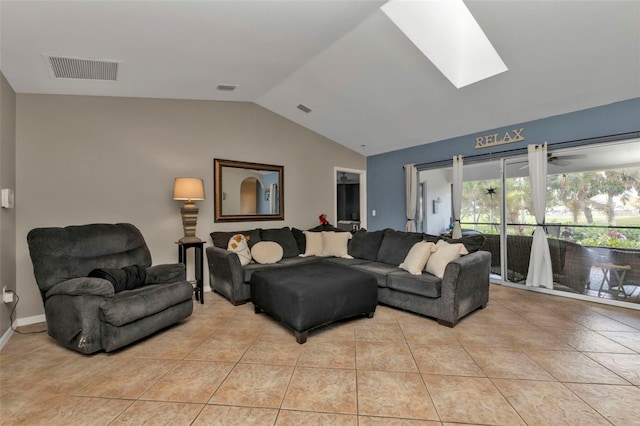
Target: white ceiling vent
{"points": [[83, 69], [226, 87]]}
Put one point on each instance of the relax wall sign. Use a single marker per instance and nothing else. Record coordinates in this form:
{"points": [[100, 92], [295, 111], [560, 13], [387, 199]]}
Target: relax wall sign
{"points": [[492, 140]]}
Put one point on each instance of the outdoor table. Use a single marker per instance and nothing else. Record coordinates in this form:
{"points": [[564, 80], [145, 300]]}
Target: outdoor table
{"points": [[614, 289]]}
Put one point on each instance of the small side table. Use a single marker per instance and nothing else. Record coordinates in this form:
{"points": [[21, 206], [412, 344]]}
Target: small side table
{"points": [[182, 258], [620, 271]]}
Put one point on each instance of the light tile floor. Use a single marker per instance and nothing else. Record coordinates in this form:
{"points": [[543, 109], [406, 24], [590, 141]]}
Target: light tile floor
{"points": [[528, 358]]}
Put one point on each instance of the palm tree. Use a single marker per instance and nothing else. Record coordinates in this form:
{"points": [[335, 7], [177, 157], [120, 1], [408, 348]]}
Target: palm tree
{"points": [[574, 191], [616, 183], [577, 190], [478, 205]]}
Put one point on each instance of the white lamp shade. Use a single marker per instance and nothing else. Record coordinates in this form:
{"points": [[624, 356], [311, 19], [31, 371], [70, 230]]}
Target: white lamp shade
{"points": [[188, 189]]}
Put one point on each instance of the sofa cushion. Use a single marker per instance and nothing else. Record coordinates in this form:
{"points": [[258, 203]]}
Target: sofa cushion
{"points": [[266, 252], [59, 254], [326, 227], [313, 244], [221, 238], [379, 270], [396, 245], [166, 273], [301, 240], [335, 243], [82, 286], [417, 257], [291, 261], [472, 243], [284, 237], [431, 238], [444, 254], [238, 245], [365, 245], [131, 305], [345, 261], [426, 285], [248, 270]]}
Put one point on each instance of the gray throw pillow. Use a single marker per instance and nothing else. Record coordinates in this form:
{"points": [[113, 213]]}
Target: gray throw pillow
{"points": [[396, 245], [301, 241], [365, 244], [471, 242], [221, 238], [431, 238], [284, 237], [122, 279], [326, 227]]}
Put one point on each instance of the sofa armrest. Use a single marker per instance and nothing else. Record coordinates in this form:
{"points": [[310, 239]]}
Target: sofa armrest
{"points": [[465, 286], [226, 275], [165, 274], [82, 286]]}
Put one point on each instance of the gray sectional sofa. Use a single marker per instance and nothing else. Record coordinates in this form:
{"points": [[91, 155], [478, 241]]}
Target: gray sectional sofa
{"points": [[463, 288]]}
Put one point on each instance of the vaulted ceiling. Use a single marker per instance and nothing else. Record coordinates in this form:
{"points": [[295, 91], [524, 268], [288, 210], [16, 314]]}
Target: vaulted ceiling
{"points": [[369, 88]]}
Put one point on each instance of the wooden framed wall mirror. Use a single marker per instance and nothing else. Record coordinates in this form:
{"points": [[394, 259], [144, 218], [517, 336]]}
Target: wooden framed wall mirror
{"points": [[247, 191]]}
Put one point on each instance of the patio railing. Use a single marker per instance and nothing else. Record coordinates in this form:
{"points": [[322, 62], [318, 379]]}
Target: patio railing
{"points": [[578, 253]]}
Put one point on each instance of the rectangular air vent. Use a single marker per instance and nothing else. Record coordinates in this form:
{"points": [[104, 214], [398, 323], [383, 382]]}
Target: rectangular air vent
{"points": [[83, 69], [304, 108], [226, 87]]}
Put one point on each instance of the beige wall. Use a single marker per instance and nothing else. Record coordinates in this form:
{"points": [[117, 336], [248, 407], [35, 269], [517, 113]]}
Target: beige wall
{"points": [[7, 180], [99, 159]]}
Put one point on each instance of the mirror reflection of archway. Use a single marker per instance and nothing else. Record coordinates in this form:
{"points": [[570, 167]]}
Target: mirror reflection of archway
{"points": [[248, 196]]}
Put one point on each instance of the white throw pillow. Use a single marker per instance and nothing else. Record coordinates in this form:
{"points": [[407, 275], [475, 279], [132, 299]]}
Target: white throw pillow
{"points": [[238, 245], [336, 244], [267, 252], [314, 243], [417, 257], [444, 254]]}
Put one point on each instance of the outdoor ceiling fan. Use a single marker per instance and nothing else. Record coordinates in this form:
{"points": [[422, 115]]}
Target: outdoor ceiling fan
{"points": [[559, 160], [563, 160]]}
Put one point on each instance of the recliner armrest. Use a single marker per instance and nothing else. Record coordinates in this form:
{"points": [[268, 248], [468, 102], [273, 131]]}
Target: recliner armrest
{"points": [[165, 274], [82, 286]]}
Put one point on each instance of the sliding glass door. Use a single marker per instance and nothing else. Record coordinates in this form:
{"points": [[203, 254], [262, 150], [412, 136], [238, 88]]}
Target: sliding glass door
{"points": [[592, 217]]}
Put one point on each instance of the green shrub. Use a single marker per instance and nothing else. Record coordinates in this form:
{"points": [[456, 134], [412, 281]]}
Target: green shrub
{"points": [[599, 237]]}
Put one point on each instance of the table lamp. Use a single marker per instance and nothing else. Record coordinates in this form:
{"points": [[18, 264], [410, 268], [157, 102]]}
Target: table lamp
{"points": [[189, 189]]}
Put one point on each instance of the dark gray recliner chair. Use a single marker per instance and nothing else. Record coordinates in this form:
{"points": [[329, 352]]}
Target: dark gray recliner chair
{"points": [[86, 314]]}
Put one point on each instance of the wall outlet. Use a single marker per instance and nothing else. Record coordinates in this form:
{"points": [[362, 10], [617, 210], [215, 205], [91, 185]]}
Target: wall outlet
{"points": [[7, 295]]}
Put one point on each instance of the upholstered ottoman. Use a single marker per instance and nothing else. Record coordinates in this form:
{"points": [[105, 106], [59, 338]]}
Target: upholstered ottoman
{"points": [[311, 295]]}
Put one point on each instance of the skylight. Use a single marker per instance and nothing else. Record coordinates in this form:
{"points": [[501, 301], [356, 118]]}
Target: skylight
{"points": [[447, 34]]}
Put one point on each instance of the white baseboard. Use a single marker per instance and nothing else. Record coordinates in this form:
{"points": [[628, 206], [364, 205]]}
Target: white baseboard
{"points": [[19, 323], [5, 338], [38, 319], [29, 320]]}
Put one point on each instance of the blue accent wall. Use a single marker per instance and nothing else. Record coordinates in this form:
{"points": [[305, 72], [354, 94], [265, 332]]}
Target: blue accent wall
{"points": [[385, 176]]}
